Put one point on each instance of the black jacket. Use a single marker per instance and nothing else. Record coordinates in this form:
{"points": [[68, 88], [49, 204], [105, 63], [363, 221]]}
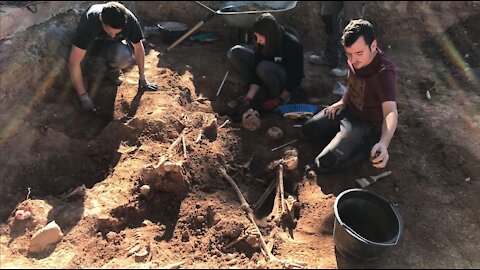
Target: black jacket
{"points": [[290, 55]]}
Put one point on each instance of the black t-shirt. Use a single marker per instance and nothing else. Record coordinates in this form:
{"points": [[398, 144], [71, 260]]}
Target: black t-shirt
{"points": [[90, 29]]}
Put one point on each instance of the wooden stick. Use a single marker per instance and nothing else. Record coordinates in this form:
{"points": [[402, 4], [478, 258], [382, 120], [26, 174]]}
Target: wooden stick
{"points": [[150, 251], [264, 196], [265, 248], [174, 144], [199, 136], [224, 124], [175, 265], [28, 194], [261, 181], [280, 184], [223, 81], [229, 245], [276, 148], [184, 147], [276, 214], [247, 209], [182, 38], [169, 150], [243, 202]]}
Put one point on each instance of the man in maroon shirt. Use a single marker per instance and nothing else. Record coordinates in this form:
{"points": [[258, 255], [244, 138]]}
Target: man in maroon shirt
{"points": [[363, 121]]}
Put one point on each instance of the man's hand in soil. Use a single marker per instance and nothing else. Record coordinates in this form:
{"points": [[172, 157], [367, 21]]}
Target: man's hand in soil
{"points": [[144, 85], [87, 102]]}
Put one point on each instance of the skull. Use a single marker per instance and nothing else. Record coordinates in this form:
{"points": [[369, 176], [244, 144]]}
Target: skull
{"points": [[290, 157], [275, 133], [251, 120]]}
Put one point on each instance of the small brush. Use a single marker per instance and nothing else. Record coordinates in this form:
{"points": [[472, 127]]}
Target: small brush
{"points": [[364, 182]]}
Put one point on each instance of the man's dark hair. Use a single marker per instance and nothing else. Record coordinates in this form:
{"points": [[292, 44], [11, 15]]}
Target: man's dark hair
{"points": [[267, 26], [355, 29], [114, 15]]}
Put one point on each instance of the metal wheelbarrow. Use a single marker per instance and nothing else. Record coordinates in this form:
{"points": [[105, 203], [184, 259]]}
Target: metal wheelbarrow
{"points": [[240, 14]]}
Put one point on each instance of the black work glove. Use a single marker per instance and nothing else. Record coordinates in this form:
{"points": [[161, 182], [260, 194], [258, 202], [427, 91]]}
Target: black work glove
{"points": [[87, 102], [144, 85]]}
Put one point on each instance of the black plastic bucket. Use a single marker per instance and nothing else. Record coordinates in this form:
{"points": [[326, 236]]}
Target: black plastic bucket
{"points": [[366, 224], [171, 31]]}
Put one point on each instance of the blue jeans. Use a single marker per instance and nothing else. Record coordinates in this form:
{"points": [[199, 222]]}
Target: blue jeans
{"points": [[349, 139]]}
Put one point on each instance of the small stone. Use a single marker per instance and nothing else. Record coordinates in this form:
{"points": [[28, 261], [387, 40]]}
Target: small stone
{"points": [[232, 104], [50, 234], [145, 190], [428, 95], [216, 218], [111, 236]]}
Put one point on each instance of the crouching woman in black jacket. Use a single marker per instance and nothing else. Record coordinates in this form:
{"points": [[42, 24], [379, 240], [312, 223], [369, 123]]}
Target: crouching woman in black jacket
{"points": [[274, 69]]}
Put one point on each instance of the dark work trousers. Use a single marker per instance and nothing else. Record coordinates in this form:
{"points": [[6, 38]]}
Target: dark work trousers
{"points": [[336, 15], [117, 54], [350, 139], [273, 75]]}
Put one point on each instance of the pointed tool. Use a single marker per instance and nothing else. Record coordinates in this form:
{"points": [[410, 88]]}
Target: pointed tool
{"points": [[364, 182]]}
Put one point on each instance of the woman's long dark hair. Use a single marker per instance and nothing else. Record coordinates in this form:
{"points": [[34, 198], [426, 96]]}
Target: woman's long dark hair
{"points": [[267, 26]]}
